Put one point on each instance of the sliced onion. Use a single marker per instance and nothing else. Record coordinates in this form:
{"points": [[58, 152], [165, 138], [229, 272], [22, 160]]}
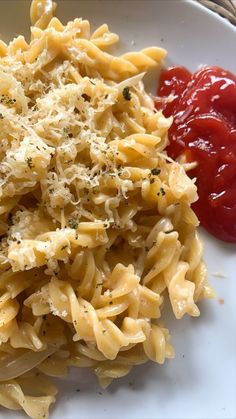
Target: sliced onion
{"points": [[14, 367]]}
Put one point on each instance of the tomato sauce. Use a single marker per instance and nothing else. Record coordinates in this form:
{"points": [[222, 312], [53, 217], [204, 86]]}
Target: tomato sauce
{"points": [[204, 129]]}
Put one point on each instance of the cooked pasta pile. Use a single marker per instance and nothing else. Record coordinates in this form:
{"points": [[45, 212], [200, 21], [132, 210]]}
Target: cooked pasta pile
{"points": [[96, 228]]}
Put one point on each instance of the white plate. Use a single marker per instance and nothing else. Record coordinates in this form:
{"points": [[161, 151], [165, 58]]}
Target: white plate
{"points": [[201, 381]]}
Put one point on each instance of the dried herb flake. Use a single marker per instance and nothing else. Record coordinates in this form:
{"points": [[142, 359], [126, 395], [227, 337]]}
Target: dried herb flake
{"points": [[155, 172], [73, 223], [126, 93]]}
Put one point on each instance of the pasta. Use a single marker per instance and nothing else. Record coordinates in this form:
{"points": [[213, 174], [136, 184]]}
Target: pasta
{"points": [[96, 226]]}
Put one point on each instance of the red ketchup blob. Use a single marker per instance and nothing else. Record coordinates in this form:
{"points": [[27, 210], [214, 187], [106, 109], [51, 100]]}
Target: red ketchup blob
{"points": [[204, 130]]}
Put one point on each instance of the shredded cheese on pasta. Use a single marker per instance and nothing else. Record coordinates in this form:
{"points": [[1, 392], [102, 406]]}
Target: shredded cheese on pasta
{"points": [[96, 225]]}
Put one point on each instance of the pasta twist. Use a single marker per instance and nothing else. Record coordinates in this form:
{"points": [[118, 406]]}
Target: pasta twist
{"points": [[8, 311], [41, 12], [114, 68], [97, 325], [12, 396], [103, 38]]}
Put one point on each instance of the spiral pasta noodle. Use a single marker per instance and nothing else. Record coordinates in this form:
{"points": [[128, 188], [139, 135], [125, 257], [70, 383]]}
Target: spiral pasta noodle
{"points": [[96, 225]]}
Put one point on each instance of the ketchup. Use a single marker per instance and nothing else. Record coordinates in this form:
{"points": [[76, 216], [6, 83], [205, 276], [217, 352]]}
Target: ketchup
{"points": [[204, 130]]}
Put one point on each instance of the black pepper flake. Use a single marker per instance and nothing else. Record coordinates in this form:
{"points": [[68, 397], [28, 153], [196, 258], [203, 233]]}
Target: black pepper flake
{"points": [[152, 180], [29, 162], [64, 247], [155, 172], [162, 192], [126, 93], [78, 390]]}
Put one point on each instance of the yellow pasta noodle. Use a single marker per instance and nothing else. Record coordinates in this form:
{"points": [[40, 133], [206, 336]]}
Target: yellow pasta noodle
{"points": [[96, 225]]}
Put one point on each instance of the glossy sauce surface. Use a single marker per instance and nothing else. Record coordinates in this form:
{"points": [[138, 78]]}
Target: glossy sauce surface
{"points": [[204, 130]]}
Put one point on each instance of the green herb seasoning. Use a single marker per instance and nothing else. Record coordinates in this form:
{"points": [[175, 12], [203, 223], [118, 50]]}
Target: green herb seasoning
{"points": [[155, 172], [73, 223], [126, 93]]}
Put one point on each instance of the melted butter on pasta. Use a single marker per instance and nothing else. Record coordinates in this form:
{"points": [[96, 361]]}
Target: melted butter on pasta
{"points": [[96, 225]]}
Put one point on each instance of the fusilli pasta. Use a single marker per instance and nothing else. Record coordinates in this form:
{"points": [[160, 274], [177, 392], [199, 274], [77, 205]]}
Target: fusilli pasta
{"points": [[96, 225]]}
